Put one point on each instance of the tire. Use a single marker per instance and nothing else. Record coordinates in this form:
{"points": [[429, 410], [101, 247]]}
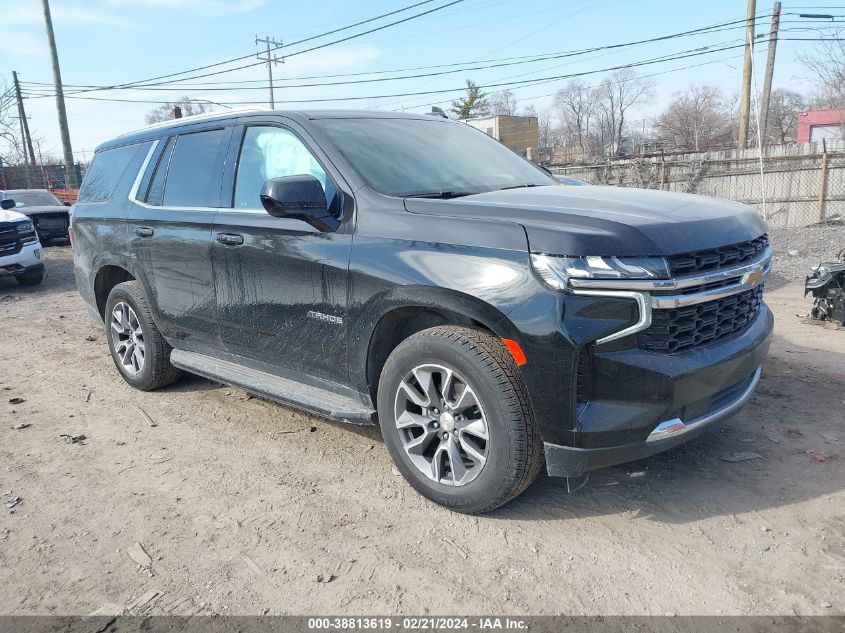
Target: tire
{"points": [[31, 279], [482, 370], [143, 359]]}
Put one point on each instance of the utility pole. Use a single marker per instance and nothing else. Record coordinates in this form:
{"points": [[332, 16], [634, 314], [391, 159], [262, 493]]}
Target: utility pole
{"points": [[26, 138], [67, 151], [745, 98], [770, 71], [270, 59]]}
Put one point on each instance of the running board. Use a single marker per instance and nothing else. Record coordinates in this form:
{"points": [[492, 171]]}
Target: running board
{"points": [[282, 390]]}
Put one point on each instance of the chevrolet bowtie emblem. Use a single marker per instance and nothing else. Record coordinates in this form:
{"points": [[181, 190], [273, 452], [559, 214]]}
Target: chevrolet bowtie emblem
{"points": [[754, 277]]}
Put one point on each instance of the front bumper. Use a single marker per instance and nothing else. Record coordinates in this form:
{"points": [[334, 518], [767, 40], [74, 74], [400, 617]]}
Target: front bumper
{"points": [[642, 403], [29, 259], [567, 461]]}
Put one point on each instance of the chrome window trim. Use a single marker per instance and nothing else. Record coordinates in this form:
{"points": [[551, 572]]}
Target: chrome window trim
{"points": [[133, 191], [676, 426], [764, 261], [164, 208], [643, 304]]}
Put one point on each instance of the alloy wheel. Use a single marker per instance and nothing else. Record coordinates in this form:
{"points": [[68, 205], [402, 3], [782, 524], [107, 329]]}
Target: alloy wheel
{"points": [[127, 338], [442, 425]]}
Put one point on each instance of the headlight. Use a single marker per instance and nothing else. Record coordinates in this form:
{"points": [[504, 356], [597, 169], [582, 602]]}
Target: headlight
{"points": [[556, 271], [26, 227]]}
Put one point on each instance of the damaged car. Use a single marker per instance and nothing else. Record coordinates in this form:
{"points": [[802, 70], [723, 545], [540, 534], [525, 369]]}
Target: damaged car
{"points": [[50, 216], [826, 283]]}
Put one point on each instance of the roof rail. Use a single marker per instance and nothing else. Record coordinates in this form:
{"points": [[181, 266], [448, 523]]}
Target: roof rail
{"points": [[197, 117]]}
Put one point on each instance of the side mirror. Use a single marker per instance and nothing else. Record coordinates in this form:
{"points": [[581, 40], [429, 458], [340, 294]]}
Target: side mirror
{"points": [[300, 198], [68, 204], [7, 204]]}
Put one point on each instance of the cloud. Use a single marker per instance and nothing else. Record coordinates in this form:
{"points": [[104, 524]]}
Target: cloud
{"points": [[214, 7]]}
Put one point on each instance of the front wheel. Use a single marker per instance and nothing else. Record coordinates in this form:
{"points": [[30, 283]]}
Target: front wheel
{"points": [[455, 417]]}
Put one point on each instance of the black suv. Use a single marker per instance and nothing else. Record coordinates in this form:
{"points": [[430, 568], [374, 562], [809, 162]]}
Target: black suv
{"points": [[411, 271]]}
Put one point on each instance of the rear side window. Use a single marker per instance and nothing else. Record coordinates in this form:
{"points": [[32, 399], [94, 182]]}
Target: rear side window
{"points": [[156, 191], [108, 168], [193, 178]]}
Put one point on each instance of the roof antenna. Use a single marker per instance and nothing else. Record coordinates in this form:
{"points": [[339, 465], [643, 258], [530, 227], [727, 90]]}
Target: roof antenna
{"points": [[435, 111]]}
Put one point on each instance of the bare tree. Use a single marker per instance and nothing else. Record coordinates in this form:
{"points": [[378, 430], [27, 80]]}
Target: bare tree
{"points": [[188, 106], [576, 103], [784, 107], [503, 103], [695, 120], [827, 64], [474, 103], [11, 145], [622, 90]]}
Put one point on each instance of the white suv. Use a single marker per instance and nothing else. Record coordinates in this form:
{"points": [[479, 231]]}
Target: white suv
{"points": [[20, 251]]}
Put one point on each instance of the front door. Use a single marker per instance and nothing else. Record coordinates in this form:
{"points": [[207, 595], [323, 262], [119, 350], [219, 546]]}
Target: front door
{"points": [[281, 284], [170, 235]]}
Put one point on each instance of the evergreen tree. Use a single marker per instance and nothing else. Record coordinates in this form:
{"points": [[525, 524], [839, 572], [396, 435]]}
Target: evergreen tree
{"points": [[475, 102]]}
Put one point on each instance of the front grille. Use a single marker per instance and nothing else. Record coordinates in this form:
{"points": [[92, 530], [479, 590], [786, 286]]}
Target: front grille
{"points": [[682, 329], [9, 243], [717, 258]]}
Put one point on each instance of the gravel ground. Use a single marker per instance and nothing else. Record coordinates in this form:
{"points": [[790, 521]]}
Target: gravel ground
{"points": [[197, 499], [810, 245]]}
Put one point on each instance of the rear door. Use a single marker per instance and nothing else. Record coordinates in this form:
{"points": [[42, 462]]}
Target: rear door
{"points": [[281, 284], [170, 233]]}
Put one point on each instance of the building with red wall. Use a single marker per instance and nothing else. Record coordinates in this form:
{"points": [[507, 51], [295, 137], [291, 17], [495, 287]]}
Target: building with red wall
{"points": [[817, 125]]}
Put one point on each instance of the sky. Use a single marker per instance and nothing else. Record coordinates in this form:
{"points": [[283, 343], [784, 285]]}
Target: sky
{"points": [[110, 42]]}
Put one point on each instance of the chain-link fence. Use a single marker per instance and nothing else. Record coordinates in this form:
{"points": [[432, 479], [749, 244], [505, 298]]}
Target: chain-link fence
{"points": [[792, 185], [37, 176]]}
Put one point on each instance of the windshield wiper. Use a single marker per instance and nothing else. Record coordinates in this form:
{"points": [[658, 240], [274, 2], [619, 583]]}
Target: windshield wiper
{"points": [[528, 184], [443, 195]]}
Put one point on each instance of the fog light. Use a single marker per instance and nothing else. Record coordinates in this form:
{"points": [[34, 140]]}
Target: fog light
{"points": [[37, 253]]}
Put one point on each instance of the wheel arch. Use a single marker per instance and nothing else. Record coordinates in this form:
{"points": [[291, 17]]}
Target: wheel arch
{"points": [[400, 316], [107, 277]]}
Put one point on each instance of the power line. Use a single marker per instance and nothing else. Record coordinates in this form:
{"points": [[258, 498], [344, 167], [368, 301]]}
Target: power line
{"points": [[314, 48], [682, 55], [714, 28], [178, 83]]}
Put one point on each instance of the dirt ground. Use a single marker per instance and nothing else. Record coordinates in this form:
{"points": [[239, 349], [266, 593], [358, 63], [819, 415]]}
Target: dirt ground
{"points": [[241, 507]]}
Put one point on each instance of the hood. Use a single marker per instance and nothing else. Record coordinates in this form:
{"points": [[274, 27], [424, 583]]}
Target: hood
{"points": [[11, 216], [607, 220], [46, 209]]}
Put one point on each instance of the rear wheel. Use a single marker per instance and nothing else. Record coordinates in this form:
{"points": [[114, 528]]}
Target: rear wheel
{"points": [[138, 349], [455, 417]]}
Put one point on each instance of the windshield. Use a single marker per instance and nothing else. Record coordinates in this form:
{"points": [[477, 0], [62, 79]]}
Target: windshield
{"points": [[413, 157], [33, 198]]}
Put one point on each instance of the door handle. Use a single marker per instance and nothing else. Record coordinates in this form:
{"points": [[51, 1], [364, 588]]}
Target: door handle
{"points": [[230, 239], [144, 231]]}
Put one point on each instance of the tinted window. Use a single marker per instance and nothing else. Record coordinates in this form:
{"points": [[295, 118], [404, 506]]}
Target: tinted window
{"points": [[106, 170], [155, 193], [272, 152], [193, 179], [401, 157]]}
